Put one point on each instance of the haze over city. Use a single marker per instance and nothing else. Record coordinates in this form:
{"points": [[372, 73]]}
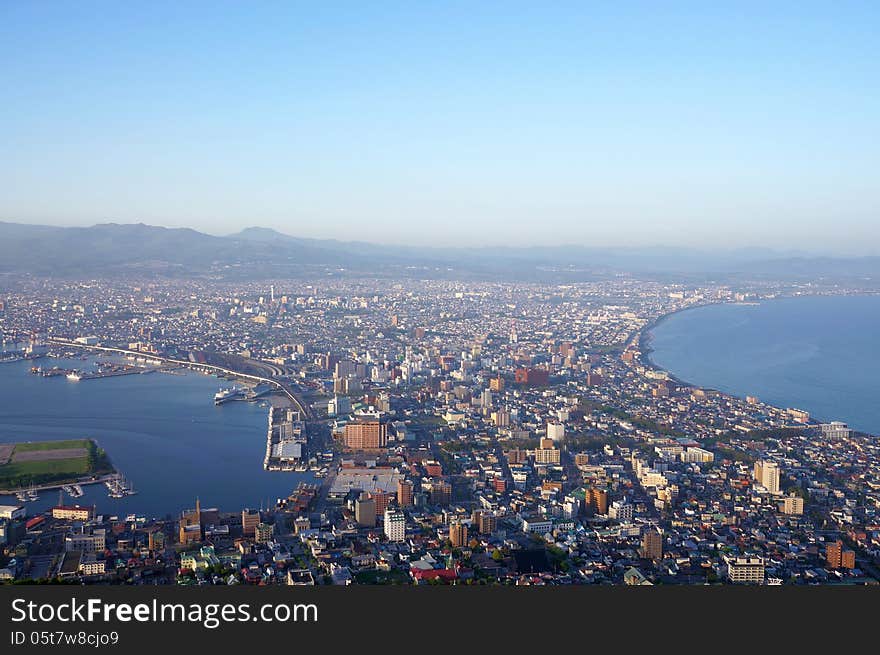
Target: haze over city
{"points": [[499, 124], [490, 294]]}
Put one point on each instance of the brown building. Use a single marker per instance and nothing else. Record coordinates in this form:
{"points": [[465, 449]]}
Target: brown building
{"points": [[488, 522], [382, 499], [365, 511], [440, 492], [366, 434], [458, 534], [496, 384], [838, 557], [596, 500], [652, 544], [404, 493], [532, 377], [250, 519]]}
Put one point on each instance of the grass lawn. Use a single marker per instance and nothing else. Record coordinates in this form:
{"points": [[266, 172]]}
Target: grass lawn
{"points": [[21, 474], [51, 445]]}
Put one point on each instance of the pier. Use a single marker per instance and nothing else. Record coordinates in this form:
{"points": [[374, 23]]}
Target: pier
{"points": [[283, 386]]}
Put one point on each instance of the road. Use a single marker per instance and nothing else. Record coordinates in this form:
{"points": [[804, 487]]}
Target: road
{"points": [[282, 385]]}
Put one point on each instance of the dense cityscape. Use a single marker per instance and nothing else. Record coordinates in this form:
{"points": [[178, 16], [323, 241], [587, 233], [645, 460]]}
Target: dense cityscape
{"points": [[458, 432]]}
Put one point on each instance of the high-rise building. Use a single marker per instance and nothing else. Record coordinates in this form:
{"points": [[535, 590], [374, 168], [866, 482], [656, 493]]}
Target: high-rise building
{"points": [[838, 557], [766, 473], [652, 543], [382, 499], [263, 533], [793, 505], [404, 493], [250, 519], [621, 511], [555, 431], [366, 434], [547, 453], [395, 524], [532, 377], [439, 492], [597, 500], [501, 418], [458, 534], [365, 511]]}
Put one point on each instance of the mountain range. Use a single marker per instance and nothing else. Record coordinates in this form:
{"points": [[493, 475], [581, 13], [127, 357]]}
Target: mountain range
{"points": [[258, 252]]}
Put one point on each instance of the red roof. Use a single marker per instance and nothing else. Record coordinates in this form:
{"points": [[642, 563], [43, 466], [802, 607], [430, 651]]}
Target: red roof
{"points": [[431, 574], [34, 521]]}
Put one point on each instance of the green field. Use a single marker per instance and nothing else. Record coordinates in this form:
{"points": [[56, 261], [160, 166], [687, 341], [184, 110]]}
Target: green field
{"points": [[43, 464], [29, 446]]}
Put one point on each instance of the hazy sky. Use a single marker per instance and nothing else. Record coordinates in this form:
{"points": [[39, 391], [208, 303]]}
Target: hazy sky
{"points": [[474, 122]]}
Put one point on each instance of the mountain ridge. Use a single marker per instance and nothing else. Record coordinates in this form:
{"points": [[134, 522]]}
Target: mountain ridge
{"points": [[130, 247]]}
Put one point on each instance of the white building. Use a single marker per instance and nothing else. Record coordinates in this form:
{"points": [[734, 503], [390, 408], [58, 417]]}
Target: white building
{"points": [[537, 526], [697, 455], [835, 430], [749, 570], [620, 511], [92, 542], [338, 406], [12, 512], [766, 474], [395, 525], [555, 431]]}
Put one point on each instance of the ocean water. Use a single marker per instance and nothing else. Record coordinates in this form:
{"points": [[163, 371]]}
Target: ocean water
{"points": [[817, 353], [162, 432]]}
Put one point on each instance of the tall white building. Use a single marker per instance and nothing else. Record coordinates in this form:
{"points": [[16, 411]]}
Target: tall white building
{"points": [[620, 511], [555, 431], [395, 524], [766, 474]]}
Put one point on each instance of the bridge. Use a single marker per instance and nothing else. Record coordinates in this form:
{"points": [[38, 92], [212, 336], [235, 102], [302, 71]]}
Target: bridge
{"points": [[283, 386]]}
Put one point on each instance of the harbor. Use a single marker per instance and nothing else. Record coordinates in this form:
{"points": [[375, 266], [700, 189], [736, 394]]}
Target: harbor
{"points": [[286, 441], [75, 490], [105, 369], [162, 431]]}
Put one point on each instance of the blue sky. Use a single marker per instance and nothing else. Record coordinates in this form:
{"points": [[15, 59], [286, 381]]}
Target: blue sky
{"points": [[602, 123]]}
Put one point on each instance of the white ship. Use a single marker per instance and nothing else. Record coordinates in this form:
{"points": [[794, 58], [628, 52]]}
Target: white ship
{"points": [[225, 395]]}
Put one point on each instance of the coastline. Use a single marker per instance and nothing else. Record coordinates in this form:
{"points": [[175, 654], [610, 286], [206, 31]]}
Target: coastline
{"points": [[645, 348]]}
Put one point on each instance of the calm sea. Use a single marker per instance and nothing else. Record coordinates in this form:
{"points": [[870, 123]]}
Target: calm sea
{"points": [[817, 353], [163, 432]]}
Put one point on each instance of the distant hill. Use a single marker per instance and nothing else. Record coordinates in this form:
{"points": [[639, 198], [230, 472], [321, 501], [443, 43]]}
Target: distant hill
{"points": [[259, 252]]}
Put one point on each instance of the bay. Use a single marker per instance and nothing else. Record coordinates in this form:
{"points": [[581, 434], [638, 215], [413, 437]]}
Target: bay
{"points": [[162, 432], [817, 353]]}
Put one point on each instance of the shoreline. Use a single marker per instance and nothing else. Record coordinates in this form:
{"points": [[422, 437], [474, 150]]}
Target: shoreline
{"points": [[61, 484], [645, 348]]}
